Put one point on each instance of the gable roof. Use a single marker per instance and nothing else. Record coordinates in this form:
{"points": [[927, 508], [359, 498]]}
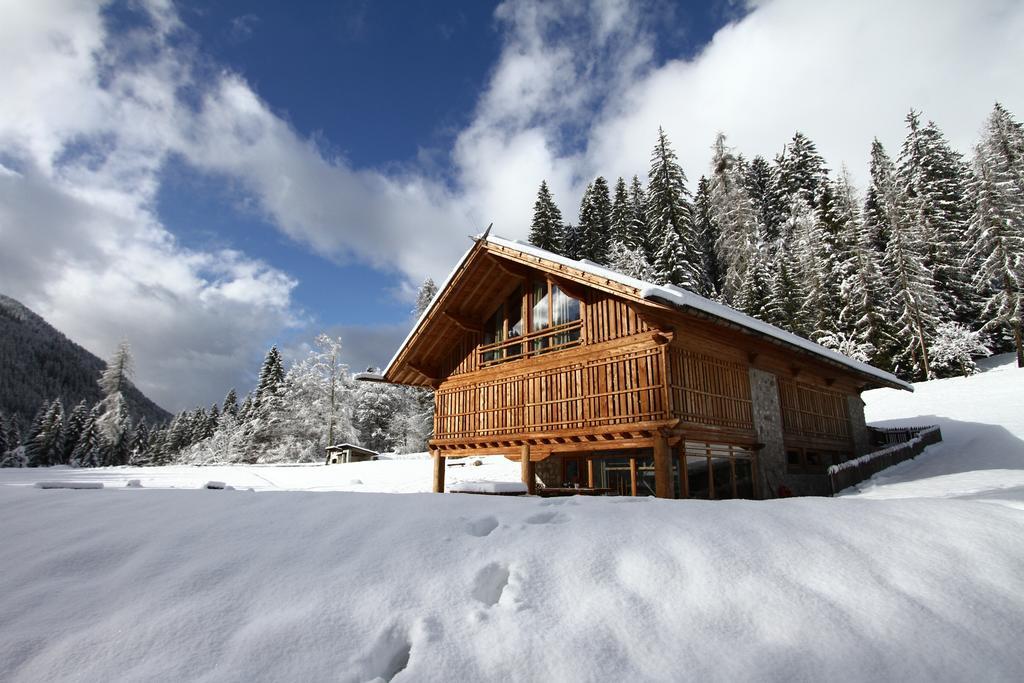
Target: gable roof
{"points": [[602, 278], [350, 447]]}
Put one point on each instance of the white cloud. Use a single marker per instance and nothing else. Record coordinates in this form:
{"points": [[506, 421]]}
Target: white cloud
{"points": [[89, 119]]}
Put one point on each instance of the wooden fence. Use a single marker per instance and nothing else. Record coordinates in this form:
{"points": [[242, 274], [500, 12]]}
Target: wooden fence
{"points": [[907, 443]]}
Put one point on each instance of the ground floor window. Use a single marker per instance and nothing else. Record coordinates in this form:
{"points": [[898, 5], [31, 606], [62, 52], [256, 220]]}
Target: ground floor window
{"points": [[715, 471], [707, 470]]}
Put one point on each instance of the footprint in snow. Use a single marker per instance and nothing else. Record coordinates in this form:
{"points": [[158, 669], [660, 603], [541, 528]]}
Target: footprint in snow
{"points": [[482, 527]]}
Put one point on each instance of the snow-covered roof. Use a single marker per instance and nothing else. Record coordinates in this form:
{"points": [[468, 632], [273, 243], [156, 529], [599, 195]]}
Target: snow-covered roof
{"points": [[669, 294]]}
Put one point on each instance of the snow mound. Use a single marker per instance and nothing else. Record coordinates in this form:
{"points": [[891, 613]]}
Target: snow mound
{"points": [[69, 485], [498, 487]]}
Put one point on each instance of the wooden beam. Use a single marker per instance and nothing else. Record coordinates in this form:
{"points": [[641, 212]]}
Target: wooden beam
{"points": [[509, 268], [662, 468], [632, 476], [573, 289], [463, 322], [439, 464], [528, 470], [429, 373], [684, 475], [590, 472]]}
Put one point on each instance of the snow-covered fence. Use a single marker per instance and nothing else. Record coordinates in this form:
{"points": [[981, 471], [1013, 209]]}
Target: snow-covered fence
{"points": [[908, 442], [887, 436]]}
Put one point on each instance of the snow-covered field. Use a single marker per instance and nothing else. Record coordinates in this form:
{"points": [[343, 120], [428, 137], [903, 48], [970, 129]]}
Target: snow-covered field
{"points": [[157, 584]]}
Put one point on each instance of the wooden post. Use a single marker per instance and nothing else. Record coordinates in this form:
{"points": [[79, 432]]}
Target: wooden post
{"points": [[632, 476], [438, 472], [662, 468], [684, 475], [590, 472], [528, 470]]}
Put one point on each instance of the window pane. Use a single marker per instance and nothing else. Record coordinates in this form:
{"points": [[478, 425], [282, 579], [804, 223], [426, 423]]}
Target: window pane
{"points": [[539, 314], [514, 308], [494, 332], [564, 308]]}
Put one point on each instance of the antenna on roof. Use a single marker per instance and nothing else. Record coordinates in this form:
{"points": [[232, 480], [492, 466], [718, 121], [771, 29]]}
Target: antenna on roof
{"points": [[484, 235]]}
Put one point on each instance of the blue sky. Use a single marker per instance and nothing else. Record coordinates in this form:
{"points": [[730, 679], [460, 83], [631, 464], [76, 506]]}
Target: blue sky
{"points": [[209, 178]]}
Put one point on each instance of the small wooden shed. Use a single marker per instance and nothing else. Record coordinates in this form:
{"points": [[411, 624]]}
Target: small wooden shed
{"points": [[346, 452]]}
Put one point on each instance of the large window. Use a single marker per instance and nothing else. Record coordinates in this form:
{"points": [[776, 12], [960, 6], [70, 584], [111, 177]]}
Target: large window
{"points": [[552, 321]]}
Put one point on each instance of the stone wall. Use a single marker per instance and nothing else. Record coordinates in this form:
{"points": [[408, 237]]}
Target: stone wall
{"points": [[861, 436], [771, 460], [549, 470]]}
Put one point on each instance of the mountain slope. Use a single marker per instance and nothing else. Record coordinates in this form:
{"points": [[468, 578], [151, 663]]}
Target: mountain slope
{"points": [[38, 363]]}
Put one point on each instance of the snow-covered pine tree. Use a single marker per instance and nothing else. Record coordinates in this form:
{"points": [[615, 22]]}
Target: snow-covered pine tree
{"points": [[866, 317], [230, 404], [917, 308], [670, 217], [594, 226], [425, 295], [755, 297], [827, 255], [759, 181], [113, 422], [639, 232], [45, 444], [73, 427], [4, 445], [139, 444], [375, 407], [572, 241], [801, 172], [631, 262], [934, 180], [735, 220], [271, 376], [546, 230], [91, 448], [996, 229], [707, 237], [622, 214], [880, 204]]}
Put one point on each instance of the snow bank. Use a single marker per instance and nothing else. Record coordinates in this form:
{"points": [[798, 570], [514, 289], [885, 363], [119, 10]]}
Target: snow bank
{"points": [[68, 485], [183, 585], [981, 456], [498, 487]]}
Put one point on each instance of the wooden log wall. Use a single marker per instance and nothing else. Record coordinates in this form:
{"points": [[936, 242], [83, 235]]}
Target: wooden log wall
{"points": [[625, 386], [608, 317], [710, 391], [812, 412]]}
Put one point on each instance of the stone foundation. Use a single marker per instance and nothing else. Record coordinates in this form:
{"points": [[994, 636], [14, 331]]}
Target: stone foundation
{"points": [[861, 436], [549, 470]]}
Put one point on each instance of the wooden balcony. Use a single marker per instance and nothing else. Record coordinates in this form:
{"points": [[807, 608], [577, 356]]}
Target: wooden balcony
{"points": [[582, 391]]}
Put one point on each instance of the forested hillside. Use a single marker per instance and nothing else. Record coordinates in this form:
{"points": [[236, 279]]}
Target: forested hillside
{"points": [[39, 364]]}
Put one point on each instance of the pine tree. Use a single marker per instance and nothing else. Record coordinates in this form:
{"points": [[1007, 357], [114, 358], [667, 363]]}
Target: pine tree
{"points": [[90, 451], [631, 262], [594, 226], [73, 429], [735, 219], [425, 295], [801, 172], [755, 297], [881, 202], [639, 232], [668, 211], [866, 316], [997, 226], [622, 214], [546, 230], [271, 377], [375, 408], [4, 445], [45, 444], [707, 237], [918, 310], [113, 423], [933, 178], [954, 349], [230, 405], [572, 243], [140, 444], [759, 182]]}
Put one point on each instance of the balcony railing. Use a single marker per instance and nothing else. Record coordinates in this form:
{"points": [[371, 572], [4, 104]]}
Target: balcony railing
{"points": [[535, 343]]}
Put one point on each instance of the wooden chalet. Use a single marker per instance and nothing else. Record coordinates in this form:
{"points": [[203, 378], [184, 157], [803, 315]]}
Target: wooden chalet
{"points": [[596, 380]]}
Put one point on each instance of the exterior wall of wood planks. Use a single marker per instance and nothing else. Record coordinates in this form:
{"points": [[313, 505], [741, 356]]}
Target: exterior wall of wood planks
{"points": [[813, 413], [609, 317], [710, 391]]}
